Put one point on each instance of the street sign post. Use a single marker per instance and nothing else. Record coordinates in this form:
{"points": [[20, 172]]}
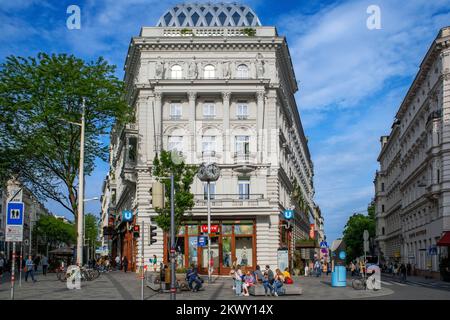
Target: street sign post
{"points": [[14, 232]]}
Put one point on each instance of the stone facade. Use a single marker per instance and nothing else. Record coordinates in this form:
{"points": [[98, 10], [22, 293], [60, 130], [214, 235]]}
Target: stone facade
{"points": [[215, 94], [413, 184]]}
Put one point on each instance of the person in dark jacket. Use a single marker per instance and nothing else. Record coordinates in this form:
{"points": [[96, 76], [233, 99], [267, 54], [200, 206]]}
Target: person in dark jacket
{"points": [[403, 272], [125, 264], [192, 277]]}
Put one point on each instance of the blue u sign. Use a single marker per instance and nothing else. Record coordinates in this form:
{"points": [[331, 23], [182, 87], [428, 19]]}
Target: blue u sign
{"points": [[127, 215], [288, 214]]}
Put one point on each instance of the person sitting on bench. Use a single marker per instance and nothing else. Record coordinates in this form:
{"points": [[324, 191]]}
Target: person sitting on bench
{"points": [[191, 277]]}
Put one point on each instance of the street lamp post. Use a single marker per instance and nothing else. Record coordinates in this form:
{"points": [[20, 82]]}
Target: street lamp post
{"points": [[207, 173], [80, 221]]}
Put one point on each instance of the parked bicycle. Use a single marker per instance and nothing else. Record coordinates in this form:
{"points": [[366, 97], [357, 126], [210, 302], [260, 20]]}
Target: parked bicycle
{"points": [[86, 273]]}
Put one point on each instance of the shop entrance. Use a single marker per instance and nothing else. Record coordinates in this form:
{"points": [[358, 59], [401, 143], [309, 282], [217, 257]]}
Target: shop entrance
{"points": [[231, 242]]}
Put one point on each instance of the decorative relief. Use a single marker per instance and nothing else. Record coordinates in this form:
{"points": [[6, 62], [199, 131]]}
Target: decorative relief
{"points": [[159, 69], [260, 69]]}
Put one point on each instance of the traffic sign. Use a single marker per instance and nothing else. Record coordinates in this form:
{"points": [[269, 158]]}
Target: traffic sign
{"points": [[288, 214], [127, 215], [366, 235], [366, 246], [323, 244], [202, 241], [14, 222]]}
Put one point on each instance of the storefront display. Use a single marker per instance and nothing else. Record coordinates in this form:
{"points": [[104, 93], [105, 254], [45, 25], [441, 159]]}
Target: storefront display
{"points": [[232, 242]]}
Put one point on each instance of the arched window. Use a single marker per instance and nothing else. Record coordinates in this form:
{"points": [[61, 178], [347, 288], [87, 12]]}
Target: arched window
{"points": [[209, 72], [242, 71], [176, 72]]}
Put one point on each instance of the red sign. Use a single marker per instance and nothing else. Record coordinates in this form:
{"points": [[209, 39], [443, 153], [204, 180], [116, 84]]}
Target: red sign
{"points": [[311, 230], [214, 228]]}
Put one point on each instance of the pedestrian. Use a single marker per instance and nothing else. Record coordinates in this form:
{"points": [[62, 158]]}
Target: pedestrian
{"points": [[408, 269], [328, 268], [403, 272], [29, 267], [352, 268], [317, 268], [117, 261], [249, 281], [233, 277], [306, 270], [268, 288], [44, 262], [2, 267], [238, 277], [259, 277], [278, 283], [125, 263], [37, 259], [270, 275], [154, 262], [287, 276]]}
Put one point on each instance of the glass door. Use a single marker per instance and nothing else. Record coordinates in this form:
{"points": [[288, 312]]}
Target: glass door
{"points": [[215, 256]]}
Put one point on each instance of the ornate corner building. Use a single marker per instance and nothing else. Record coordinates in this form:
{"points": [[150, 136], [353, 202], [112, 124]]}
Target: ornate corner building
{"points": [[413, 184], [212, 83]]}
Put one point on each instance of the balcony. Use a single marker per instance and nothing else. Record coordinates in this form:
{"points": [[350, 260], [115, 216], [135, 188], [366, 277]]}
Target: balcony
{"points": [[231, 200], [209, 116], [242, 116]]}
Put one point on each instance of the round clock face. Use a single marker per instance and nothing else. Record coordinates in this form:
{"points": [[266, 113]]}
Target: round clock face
{"points": [[213, 172]]}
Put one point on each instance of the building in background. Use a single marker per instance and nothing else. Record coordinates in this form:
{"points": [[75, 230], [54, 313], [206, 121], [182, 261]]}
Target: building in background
{"points": [[34, 209], [413, 183], [213, 84]]}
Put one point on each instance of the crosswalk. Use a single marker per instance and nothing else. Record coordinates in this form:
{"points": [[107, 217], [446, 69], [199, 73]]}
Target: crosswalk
{"points": [[433, 285]]}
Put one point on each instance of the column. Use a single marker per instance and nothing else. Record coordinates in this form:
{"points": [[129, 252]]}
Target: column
{"points": [[259, 123], [227, 158], [192, 96], [158, 121]]}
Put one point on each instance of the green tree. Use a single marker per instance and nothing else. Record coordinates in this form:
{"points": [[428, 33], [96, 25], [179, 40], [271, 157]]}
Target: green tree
{"points": [[164, 166], [40, 104], [91, 231], [354, 230], [53, 231]]}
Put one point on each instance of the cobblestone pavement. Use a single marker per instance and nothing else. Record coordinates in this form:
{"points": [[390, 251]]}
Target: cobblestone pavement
{"points": [[118, 286]]}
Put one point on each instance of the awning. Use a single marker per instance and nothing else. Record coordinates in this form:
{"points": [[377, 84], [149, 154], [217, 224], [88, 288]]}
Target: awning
{"points": [[444, 241]]}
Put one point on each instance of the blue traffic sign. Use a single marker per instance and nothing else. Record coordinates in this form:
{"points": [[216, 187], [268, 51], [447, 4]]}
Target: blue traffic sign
{"points": [[127, 215], [15, 213], [202, 241], [288, 214], [324, 244]]}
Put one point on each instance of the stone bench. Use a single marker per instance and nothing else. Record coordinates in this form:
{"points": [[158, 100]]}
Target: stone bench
{"points": [[290, 289]]}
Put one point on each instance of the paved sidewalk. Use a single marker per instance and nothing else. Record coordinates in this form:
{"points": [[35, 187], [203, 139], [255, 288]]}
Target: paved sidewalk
{"points": [[120, 286]]}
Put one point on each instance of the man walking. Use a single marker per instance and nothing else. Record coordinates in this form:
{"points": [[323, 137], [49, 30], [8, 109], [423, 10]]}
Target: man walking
{"points": [[117, 260], [403, 272], [29, 264], [44, 262], [125, 263]]}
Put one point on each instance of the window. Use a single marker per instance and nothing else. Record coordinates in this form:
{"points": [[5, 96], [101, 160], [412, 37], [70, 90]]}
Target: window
{"points": [[209, 110], [242, 145], [244, 189], [212, 190], [382, 208], [242, 110], [175, 110], [209, 145], [175, 143], [176, 72], [382, 231], [242, 71], [209, 72], [382, 187], [132, 148]]}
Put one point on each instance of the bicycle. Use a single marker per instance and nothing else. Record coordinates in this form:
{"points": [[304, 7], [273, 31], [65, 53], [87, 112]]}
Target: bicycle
{"points": [[359, 284]]}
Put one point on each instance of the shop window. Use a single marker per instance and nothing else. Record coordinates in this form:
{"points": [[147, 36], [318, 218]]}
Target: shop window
{"points": [[193, 229], [244, 251], [193, 250], [226, 251], [227, 229], [243, 229], [180, 254]]}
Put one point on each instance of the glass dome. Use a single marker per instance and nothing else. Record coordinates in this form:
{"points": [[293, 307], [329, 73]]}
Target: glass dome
{"points": [[209, 15]]}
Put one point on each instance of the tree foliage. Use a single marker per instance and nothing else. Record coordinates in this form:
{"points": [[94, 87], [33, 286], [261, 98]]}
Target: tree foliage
{"points": [[354, 230], [54, 231], [183, 178], [40, 104]]}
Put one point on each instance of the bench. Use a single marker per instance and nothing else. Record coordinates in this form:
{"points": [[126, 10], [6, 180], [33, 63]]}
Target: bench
{"points": [[289, 289], [153, 282]]}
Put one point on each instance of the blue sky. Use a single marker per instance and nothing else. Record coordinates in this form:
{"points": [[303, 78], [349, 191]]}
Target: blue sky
{"points": [[352, 79]]}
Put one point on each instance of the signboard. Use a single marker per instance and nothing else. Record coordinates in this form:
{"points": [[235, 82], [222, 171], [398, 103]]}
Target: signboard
{"points": [[14, 222], [288, 215], [323, 244], [432, 251], [214, 228], [366, 235], [202, 241], [311, 231], [366, 246], [15, 192], [127, 215], [283, 259]]}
